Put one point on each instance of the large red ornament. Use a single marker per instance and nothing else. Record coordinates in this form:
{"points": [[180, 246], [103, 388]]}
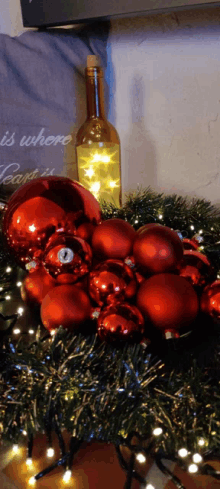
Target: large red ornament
{"points": [[157, 249], [148, 226], [120, 322], [67, 258], [196, 268], [65, 305], [113, 239], [112, 281], [39, 208], [168, 301], [35, 286], [210, 300]]}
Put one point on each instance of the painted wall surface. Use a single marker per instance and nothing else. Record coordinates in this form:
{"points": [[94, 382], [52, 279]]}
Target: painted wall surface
{"points": [[164, 87]]}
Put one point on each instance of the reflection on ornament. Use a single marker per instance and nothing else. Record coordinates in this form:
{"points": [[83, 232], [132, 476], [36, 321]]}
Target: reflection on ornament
{"points": [[210, 300], [120, 322]]}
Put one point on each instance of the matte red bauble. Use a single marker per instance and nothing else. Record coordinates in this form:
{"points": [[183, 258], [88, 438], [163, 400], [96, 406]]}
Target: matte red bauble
{"points": [[85, 231], [120, 322], [157, 249], [67, 258], [35, 286], [39, 208], [168, 301], [196, 268], [113, 239], [210, 300], [112, 281], [67, 306]]}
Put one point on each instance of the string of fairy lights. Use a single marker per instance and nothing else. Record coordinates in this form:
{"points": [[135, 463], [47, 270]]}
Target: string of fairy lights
{"points": [[192, 460]]}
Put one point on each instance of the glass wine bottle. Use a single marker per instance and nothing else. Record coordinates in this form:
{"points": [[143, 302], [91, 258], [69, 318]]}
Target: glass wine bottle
{"points": [[97, 142]]}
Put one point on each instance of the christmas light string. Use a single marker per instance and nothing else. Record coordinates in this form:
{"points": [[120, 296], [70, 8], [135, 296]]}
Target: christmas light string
{"points": [[175, 405]]}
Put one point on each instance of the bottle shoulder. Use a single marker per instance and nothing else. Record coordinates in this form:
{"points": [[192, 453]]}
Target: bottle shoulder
{"points": [[97, 130]]}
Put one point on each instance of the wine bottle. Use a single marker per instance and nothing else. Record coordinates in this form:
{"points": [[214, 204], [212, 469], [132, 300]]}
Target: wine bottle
{"points": [[97, 142]]}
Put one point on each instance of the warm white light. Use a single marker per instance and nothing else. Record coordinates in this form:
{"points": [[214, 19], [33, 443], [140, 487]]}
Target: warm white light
{"points": [[32, 228], [141, 458], [20, 310], [197, 458], [183, 452], [7, 297], [149, 486], [192, 227], [32, 481], [201, 442], [1, 288], [193, 468], [200, 231], [31, 331], [112, 184], [16, 331], [19, 284], [29, 462], [160, 216], [15, 448], [157, 431], [67, 476], [50, 452], [24, 432], [95, 187], [53, 332], [89, 172], [105, 159], [8, 269]]}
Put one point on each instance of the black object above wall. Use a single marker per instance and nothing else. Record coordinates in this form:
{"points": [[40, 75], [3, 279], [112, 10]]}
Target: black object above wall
{"points": [[45, 13]]}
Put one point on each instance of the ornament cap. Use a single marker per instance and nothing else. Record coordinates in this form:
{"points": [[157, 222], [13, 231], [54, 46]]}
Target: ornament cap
{"points": [[170, 335]]}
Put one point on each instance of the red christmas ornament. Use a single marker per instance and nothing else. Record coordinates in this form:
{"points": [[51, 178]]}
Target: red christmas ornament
{"points": [[39, 208], [210, 300], [190, 244], [168, 301], [85, 231], [157, 249], [120, 322], [196, 268], [67, 258], [65, 305], [113, 239], [35, 286], [148, 226], [112, 281]]}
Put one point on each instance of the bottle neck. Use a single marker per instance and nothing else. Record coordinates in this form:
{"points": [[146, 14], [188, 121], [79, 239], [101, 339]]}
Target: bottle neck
{"points": [[95, 93]]}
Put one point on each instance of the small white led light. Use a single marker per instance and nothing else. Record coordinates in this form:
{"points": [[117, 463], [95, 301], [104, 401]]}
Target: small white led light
{"points": [[31, 331], [149, 486], [201, 442], [24, 432], [193, 468], [183, 452], [192, 227], [160, 216], [157, 431], [50, 452], [197, 458], [8, 269], [20, 310], [67, 476], [52, 332], [140, 457], [7, 297], [16, 331], [29, 462], [15, 448], [32, 481], [1, 289], [19, 284]]}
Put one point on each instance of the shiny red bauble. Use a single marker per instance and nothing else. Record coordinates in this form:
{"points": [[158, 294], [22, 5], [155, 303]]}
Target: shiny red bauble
{"points": [[147, 226], [168, 301], [120, 322], [157, 249], [112, 281], [113, 239], [210, 300], [67, 258], [85, 231], [196, 268], [67, 306], [36, 286], [190, 244], [39, 208]]}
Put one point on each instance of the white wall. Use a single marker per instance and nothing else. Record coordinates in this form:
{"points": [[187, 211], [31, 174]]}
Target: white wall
{"points": [[164, 82]]}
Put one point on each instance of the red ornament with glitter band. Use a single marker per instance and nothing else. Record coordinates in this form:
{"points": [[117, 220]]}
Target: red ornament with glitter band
{"points": [[169, 302], [41, 207], [67, 306], [157, 249], [35, 286], [196, 268], [113, 239], [67, 258], [210, 300], [112, 281], [120, 322]]}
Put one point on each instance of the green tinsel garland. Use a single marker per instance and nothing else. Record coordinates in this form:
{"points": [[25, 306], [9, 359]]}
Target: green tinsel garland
{"points": [[104, 392]]}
